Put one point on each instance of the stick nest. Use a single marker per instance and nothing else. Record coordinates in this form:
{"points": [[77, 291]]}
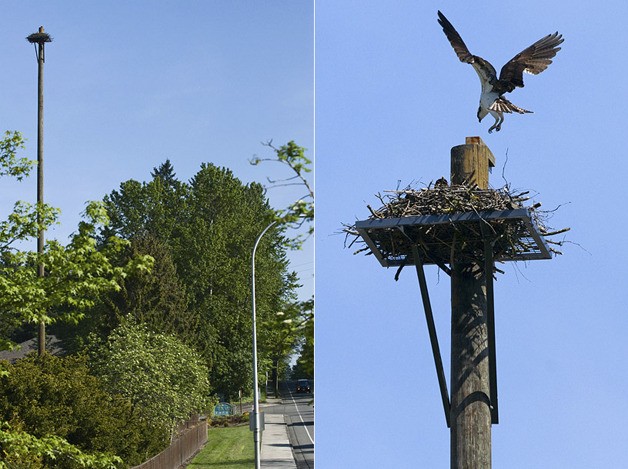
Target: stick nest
{"points": [[451, 242]]}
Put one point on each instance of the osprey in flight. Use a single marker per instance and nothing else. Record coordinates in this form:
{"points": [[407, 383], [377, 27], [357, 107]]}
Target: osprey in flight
{"points": [[534, 60]]}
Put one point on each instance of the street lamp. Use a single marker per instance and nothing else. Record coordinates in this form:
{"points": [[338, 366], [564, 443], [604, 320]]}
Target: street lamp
{"points": [[256, 415], [39, 39]]}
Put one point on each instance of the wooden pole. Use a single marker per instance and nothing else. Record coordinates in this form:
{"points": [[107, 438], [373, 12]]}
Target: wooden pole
{"points": [[470, 385], [41, 336]]}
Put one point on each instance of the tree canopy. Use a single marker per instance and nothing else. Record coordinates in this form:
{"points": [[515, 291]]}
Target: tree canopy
{"points": [[208, 226], [76, 274], [151, 297], [10, 163]]}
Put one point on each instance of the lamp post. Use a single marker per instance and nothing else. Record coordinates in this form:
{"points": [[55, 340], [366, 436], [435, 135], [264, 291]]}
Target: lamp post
{"points": [[256, 415], [39, 39]]}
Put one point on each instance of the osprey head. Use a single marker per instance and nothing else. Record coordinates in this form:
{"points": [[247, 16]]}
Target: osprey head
{"points": [[482, 113]]}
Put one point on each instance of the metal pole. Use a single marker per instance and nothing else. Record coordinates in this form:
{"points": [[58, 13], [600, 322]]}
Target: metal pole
{"points": [[256, 425], [39, 39]]}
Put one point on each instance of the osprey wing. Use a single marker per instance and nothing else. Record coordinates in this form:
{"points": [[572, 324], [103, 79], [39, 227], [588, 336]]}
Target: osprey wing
{"points": [[456, 41], [533, 59], [484, 69]]}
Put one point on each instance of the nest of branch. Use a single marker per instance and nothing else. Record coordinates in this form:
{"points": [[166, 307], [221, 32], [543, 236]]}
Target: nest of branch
{"points": [[39, 37], [461, 242]]}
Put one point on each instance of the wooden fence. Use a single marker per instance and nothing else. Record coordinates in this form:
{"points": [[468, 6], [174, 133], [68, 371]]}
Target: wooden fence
{"points": [[191, 437]]}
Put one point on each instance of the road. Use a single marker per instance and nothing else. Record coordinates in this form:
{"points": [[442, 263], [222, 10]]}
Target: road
{"points": [[298, 411]]}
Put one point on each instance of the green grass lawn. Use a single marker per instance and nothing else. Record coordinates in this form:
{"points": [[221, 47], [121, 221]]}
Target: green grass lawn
{"points": [[226, 448]]}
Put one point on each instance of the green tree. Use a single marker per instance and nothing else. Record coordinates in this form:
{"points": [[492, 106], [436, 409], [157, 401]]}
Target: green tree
{"points": [[157, 299], [225, 218], [76, 275], [57, 400], [164, 380], [156, 207], [299, 332], [165, 172], [210, 225], [10, 163], [282, 333], [304, 367], [22, 224]]}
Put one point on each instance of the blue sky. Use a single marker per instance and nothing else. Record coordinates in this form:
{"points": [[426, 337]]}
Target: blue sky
{"points": [[391, 100], [130, 84]]}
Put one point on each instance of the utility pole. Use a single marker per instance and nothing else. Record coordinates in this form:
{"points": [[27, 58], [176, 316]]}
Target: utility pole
{"points": [[470, 415], [39, 39]]}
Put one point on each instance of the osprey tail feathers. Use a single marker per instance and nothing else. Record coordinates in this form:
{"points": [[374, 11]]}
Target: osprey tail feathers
{"points": [[501, 104]]}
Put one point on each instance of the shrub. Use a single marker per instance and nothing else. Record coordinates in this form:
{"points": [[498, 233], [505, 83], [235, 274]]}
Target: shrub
{"points": [[165, 380], [57, 396], [19, 450]]}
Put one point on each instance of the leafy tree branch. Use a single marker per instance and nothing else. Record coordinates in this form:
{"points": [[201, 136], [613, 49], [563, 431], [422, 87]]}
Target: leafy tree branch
{"points": [[10, 163], [300, 212]]}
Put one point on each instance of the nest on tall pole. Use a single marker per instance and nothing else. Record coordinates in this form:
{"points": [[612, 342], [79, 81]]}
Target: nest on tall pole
{"points": [[445, 235]]}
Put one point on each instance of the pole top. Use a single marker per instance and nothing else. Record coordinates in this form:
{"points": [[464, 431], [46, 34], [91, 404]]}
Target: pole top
{"points": [[39, 37], [479, 141], [471, 163]]}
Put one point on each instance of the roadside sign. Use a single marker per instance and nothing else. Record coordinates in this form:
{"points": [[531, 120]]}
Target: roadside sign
{"points": [[223, 409]]}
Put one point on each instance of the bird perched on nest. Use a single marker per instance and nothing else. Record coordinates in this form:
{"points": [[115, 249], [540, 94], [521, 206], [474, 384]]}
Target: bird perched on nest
{"points": [[533, 60], [440, 183]]}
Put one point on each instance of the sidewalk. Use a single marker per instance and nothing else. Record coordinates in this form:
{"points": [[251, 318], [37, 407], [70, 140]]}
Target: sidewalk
{"points": [[276, 449]]}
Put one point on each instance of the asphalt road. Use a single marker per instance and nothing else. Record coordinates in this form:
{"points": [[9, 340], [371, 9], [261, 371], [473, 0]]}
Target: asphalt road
{"points": [[298, 411]]}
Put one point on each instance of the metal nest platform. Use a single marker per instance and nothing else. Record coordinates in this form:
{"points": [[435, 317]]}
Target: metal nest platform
{"points": [[513, 234], [463, 228]]}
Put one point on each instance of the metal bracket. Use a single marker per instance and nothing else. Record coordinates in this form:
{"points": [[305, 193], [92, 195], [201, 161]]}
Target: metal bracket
{"points": [[489, 264], [490, 325], [431, 327]]}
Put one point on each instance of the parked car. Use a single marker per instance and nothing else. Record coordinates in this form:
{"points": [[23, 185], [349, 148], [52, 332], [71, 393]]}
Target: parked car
{"points": [[303, 385]]}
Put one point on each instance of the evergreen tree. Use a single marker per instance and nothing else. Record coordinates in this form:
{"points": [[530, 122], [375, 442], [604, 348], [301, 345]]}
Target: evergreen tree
{"points": [[157, 299], [156, 207], [48, 395], [209, 226], [165, 172]]}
